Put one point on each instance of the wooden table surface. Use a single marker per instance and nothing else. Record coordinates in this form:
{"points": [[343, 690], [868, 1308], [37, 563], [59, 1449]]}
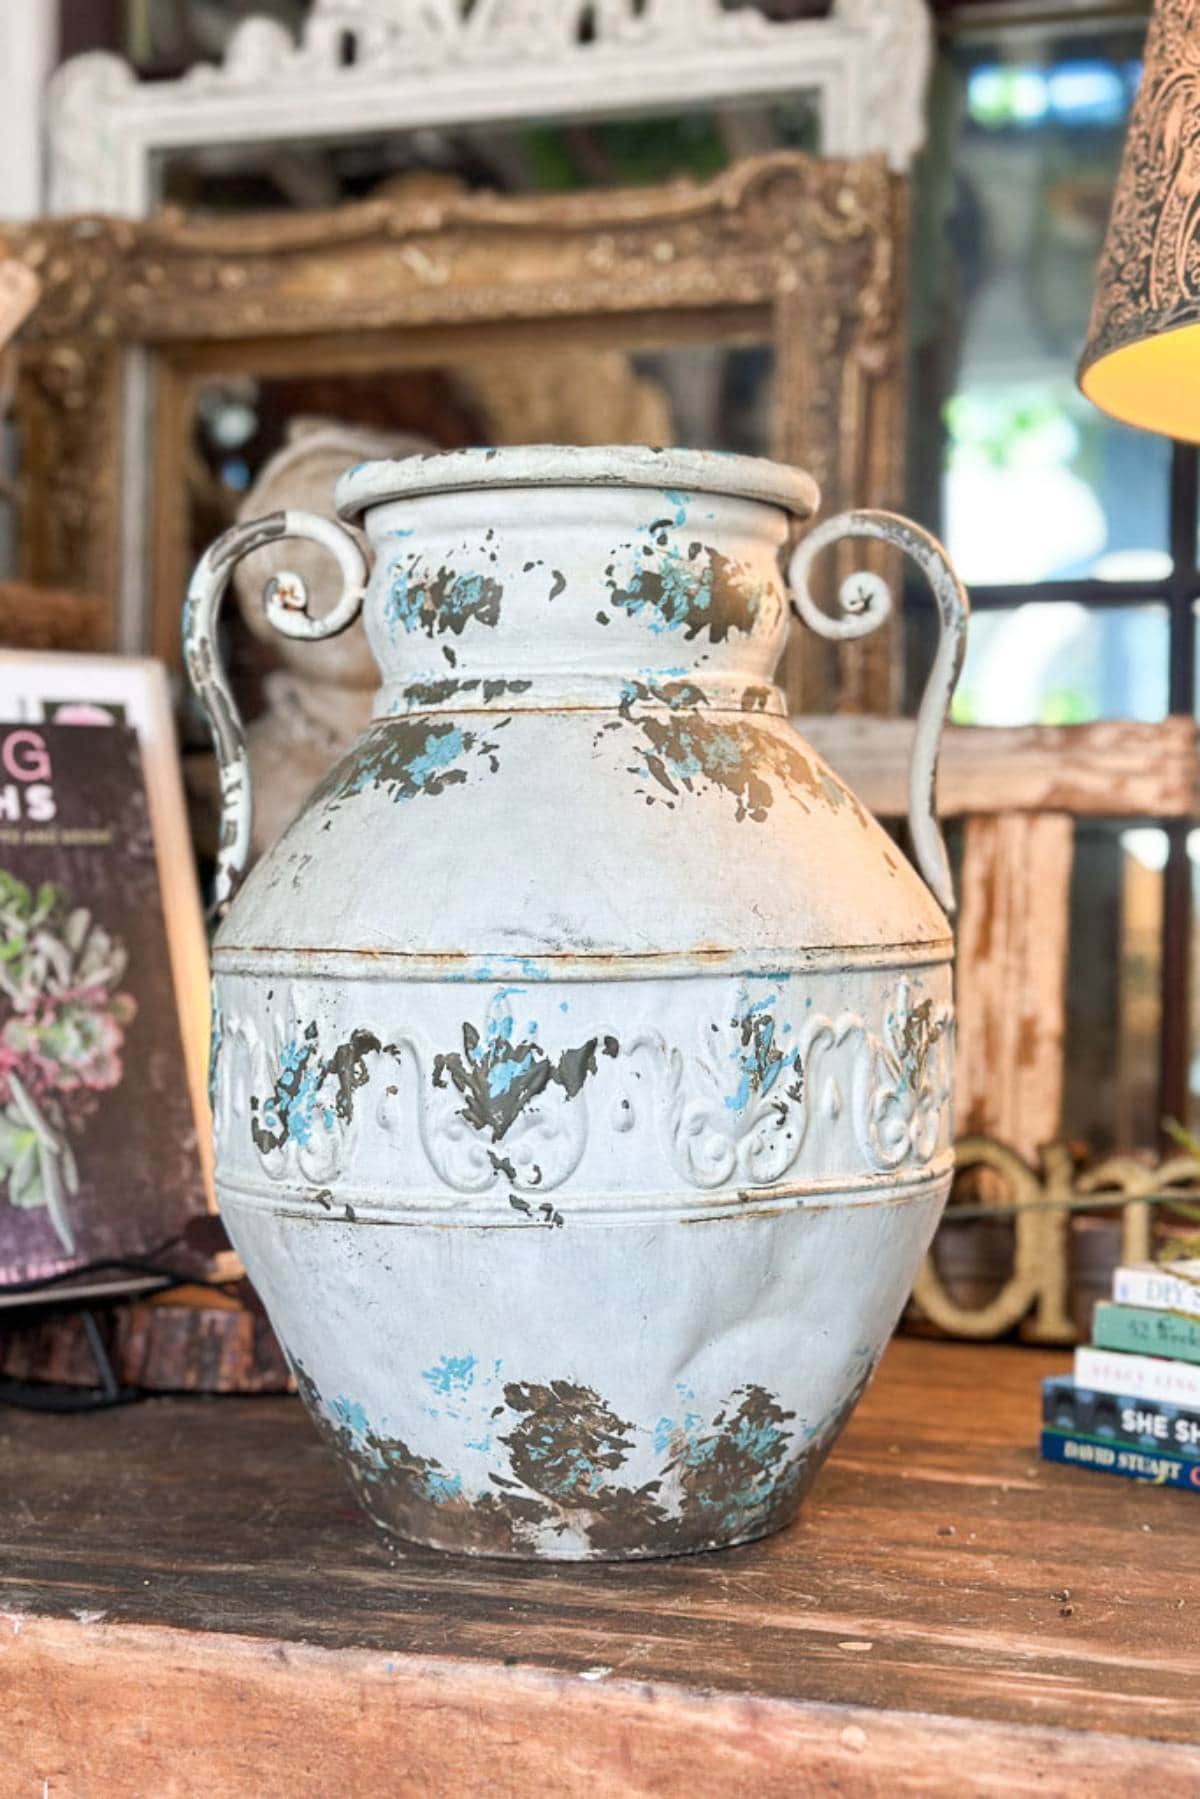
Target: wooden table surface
{"points": [[190, 1602]]}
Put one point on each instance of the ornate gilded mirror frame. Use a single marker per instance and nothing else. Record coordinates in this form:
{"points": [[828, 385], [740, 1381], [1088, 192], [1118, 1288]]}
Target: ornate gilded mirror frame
{"points": [[795, 252]]}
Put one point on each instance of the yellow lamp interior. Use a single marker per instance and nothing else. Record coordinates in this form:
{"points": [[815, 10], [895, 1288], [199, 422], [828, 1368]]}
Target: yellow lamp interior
{"points": [[1154, 383]]}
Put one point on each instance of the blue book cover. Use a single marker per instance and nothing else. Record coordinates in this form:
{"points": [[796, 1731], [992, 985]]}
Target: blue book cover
{"points": [[1152, 1466], [1153, 1424]]}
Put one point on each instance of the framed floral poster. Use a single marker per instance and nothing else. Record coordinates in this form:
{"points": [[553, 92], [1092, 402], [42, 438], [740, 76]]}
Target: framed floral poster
{"points": [[99, 1140]]}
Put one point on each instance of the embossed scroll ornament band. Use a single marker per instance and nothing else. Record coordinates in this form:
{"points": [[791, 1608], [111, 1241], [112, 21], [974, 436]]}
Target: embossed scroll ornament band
{"points": [[519, 1096], [1141, 361]]}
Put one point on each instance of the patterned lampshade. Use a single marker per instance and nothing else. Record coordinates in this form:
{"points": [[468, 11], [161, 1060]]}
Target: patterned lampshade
{"points": [[1141, 362]]}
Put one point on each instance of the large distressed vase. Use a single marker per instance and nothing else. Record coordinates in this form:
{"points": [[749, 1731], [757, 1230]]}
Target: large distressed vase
{"points": [[581, 1064]]}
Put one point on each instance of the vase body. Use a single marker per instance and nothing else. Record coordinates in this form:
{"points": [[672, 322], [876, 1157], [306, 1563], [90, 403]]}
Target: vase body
{"points": [[582, 1052]]}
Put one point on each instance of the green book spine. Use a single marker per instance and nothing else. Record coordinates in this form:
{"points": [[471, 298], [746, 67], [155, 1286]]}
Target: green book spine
{"points": [[1141, 1331]]}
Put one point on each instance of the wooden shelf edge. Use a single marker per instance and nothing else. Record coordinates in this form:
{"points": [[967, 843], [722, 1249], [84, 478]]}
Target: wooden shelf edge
{"points": [[94, 1706]]}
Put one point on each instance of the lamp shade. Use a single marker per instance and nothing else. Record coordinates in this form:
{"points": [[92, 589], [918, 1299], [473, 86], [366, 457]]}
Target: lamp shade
{"points": [[1141, 362]]}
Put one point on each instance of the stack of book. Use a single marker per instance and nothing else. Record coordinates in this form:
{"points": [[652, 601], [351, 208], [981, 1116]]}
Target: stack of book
{"points": [[1133, 1406]]}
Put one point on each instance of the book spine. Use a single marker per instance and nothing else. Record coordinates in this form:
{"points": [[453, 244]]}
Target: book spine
{"points": [[1158, 1289], [1140, 1376], [1120, 1418], [1149, 1465], [1140, 1331]]}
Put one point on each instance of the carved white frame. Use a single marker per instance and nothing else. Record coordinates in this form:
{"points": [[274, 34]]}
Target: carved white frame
{"points": [[457, 62]]}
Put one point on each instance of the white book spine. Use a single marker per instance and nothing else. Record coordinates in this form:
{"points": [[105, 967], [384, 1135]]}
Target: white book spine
{"points": [[1138, 1376], [1158, 1288]]}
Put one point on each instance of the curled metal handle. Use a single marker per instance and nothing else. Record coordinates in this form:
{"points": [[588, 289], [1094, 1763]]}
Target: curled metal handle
{"points": [[285, 599], [866, 601]]}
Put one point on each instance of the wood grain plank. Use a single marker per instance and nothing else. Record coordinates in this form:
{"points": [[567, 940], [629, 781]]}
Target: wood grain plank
{"points": [[1113, 769], [1012, 967], [170, 1346], [128, 1710], [1011, 1002], [934, 1536]]}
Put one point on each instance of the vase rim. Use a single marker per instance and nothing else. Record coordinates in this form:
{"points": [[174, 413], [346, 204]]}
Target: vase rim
{"points": [[780, 484]]}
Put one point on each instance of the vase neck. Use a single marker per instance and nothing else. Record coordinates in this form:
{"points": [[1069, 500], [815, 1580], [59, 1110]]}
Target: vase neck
{"points": [[576, 599]]}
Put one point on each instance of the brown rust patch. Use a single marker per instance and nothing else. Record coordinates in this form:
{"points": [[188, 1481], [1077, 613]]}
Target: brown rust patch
{"points": [[404, 757], [671, 694], [436, 693], [312, 1090], [684, 751], [439, 600], [689, 753], [498, 1078], [566, 1443], [694, 589], [740, 1475], [414, 1496]]}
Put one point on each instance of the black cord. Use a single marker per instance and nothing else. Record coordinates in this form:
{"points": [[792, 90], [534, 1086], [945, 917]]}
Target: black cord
{"points": [[147, 1265]]}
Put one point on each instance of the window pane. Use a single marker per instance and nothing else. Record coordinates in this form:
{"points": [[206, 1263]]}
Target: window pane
{"points": [[1036, 484], [1050, 662]]}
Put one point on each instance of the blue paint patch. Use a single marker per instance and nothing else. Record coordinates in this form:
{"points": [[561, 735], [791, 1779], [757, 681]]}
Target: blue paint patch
{"points": [[664, 592], [759, 1441], [350, 1415], [722, 752], [453, 1374], [402, 604], [574, 1471], [501, 1075], [390, 762], [683, 755], [291, 1106], [758, 1059], [682, 1437], [439, 752], [442, 1488]]}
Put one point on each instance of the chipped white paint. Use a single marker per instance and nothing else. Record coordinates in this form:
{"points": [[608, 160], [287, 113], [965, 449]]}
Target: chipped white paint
{"points": [[582, 1053]]}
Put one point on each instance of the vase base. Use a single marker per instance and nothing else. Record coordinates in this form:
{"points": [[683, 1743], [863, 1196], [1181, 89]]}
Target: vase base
{"points": [[445, 1545]]}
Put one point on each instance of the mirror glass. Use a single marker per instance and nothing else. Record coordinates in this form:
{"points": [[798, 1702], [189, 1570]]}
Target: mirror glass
{"points": [[515, 159]]}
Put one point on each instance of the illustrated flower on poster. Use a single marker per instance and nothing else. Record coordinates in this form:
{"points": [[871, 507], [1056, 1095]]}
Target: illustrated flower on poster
{"points": [[62, 1030]]}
